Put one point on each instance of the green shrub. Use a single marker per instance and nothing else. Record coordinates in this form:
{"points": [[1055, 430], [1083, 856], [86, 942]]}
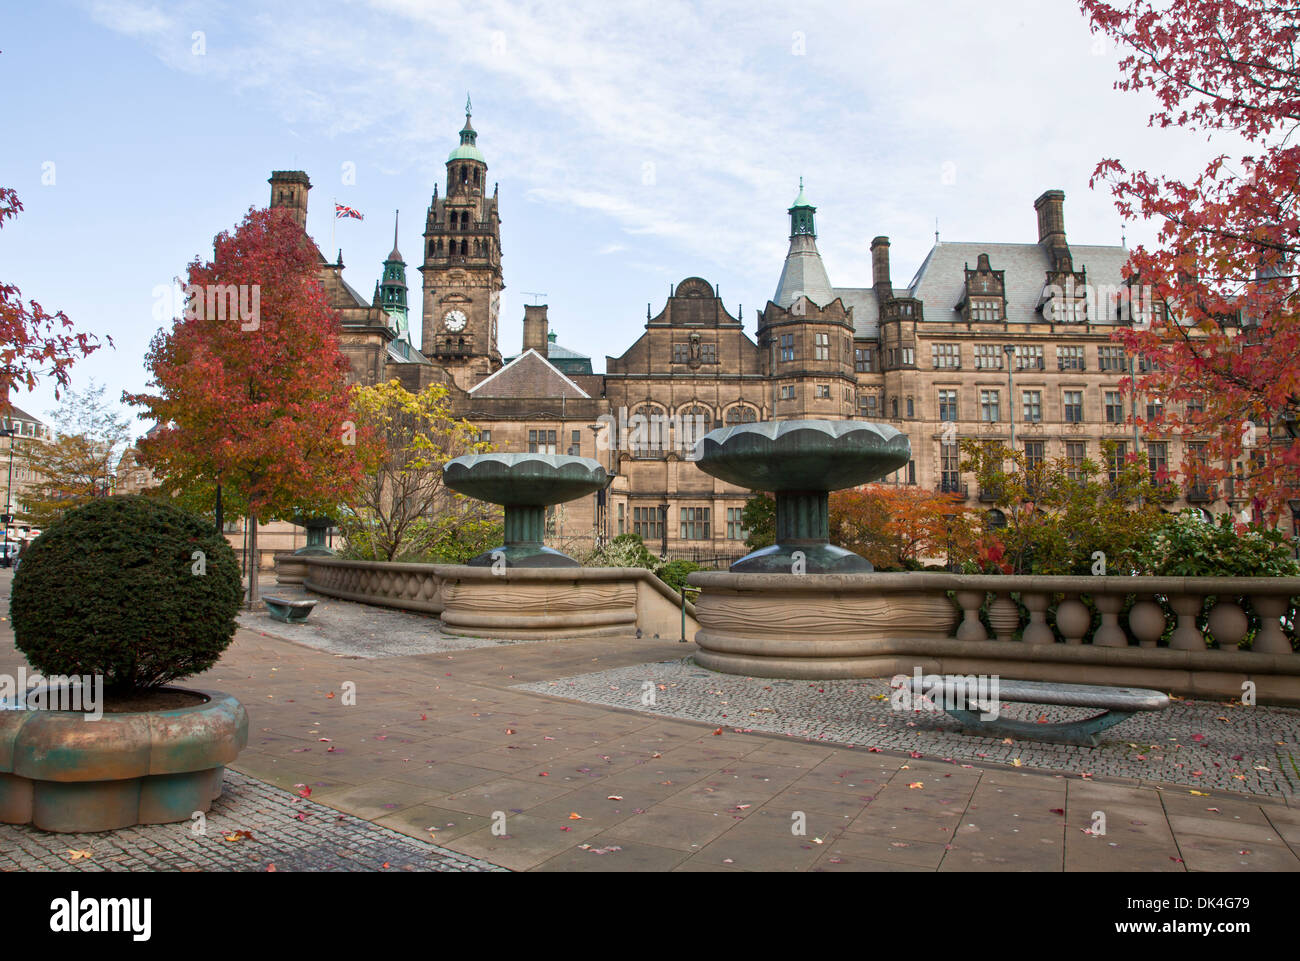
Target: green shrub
{"points": [[113, 589], [625, 550], [1185, 545], [628, 550], [674, 573]]}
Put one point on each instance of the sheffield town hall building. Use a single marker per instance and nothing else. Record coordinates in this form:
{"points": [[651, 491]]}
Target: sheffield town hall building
{"points": [[972, 341]]}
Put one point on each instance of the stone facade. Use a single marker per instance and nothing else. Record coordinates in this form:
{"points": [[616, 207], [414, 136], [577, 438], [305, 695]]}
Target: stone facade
{"points": [[15, 471], [986, 341]]}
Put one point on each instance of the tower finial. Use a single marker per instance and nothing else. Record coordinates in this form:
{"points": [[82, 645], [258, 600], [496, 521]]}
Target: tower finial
{"points": [[396, 217], [468, 109]]}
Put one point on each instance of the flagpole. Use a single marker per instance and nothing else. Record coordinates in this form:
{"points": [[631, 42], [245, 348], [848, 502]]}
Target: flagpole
{"points": [[334, 219]]}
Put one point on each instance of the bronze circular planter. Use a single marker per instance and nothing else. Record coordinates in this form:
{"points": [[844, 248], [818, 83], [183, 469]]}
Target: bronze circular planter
{"points": [[61, 772]]}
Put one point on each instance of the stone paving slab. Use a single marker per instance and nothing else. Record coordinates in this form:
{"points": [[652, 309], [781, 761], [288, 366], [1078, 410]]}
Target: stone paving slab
{"points": [[1200, 744], [284, 832], [359, 630]]}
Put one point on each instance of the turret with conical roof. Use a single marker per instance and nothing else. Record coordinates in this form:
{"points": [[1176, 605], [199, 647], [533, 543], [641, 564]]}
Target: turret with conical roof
{"points": [[803, 274]]}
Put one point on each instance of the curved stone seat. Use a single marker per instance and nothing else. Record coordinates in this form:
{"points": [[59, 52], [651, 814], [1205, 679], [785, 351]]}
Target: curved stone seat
{"points": [[960, 697]]}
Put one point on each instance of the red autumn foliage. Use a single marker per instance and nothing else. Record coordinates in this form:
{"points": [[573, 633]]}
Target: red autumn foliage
{"points": [[1225, 261], [895, 526], [259, 403]]}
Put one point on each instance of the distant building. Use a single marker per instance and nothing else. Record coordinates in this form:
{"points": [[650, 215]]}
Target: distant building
{"points": [[15, 471]]}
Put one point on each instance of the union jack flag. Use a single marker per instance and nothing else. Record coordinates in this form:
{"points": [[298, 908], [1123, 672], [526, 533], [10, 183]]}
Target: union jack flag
{"points": [[341, 211]]}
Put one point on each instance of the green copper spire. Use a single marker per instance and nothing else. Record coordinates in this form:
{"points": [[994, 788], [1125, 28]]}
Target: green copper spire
{"points": [[801, 215], [392, 289], [801, 200], [467, 150]]}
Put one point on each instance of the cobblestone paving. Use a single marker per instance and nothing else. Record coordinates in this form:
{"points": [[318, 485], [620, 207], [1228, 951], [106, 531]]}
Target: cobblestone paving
{"points": [[251, 827], [359, 630], [1201, 744]]}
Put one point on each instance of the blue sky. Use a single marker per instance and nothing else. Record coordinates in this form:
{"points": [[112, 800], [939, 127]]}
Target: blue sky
{"points": [[635, 143]]}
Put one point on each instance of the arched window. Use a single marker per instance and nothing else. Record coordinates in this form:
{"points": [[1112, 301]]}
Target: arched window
{"points": [[648, 432], [995, 519], [475, 178], [464, 247], [741, 414], [464, 175], [692, 423]]}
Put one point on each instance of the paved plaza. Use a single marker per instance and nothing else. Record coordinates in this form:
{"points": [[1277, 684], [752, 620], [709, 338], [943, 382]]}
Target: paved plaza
{"points": [[1199, 744], [512, 755]]}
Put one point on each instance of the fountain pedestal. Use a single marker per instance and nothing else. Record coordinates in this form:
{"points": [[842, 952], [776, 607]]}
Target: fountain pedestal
{"points": [[525, 485], [801, 462]]}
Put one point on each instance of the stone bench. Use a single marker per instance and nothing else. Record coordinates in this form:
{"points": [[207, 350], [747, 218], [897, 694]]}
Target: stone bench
{"points": [[286, 609], [970, 700]]}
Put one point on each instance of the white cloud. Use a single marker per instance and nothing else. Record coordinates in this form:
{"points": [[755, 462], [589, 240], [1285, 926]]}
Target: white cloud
{"points": [[132, 19], [685, 126]]}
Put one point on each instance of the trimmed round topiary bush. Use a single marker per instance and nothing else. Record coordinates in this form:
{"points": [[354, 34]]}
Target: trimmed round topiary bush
{"points": [[130, 588]]}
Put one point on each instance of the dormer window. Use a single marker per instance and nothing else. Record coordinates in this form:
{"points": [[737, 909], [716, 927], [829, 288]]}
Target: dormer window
{"points": [[982, 300]]}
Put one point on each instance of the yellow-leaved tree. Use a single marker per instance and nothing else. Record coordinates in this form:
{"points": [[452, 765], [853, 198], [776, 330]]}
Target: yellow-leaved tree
{"points": [[402, 509]]}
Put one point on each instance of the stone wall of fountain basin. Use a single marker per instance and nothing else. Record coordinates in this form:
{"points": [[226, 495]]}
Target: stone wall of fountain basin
{"points": [[532, 602], [61, 772], [518, 603], [825, 626]]}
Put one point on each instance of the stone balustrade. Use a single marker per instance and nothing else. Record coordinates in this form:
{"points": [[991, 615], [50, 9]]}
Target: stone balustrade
{"points": [[1070, 629], [409, 587]]}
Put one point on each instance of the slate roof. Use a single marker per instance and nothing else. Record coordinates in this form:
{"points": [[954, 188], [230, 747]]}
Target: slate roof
{"points": [[402, 352], [803, 273], [866, 309], [940, 281], [17, 413], [528, 375], [566, 361]]}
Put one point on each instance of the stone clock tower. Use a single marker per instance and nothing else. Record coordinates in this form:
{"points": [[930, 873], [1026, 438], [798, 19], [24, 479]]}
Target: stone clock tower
{"points": [[462, 268]]}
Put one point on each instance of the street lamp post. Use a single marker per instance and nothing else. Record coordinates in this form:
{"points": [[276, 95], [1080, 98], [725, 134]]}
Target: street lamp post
{"points": [[11, 433], [1010, 351], [1294, 504], [602, 495], [663, 530], [1133, 405]]}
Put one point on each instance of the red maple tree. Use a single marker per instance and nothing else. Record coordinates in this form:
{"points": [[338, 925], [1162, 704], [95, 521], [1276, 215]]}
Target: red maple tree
{"points": [[34, 342], [894, 526], [252, 385], [1226, 350]]}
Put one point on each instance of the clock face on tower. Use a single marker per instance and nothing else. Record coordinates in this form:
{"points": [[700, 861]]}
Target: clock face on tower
{"points": [[454, 321]]}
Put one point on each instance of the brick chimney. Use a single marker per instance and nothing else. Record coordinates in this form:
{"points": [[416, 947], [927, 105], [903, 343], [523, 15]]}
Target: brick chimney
{"points": [[535, 328], [1051, 228], [289, 189], [880, 267]]}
